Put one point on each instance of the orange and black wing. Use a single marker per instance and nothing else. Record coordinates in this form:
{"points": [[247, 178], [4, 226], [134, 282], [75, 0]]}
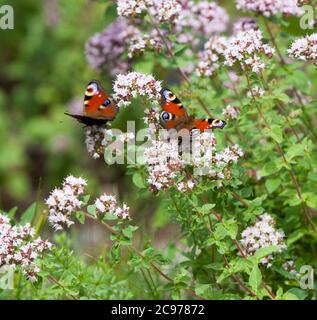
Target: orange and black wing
{"points": [[174, 114], [98, 108], [205, 124]]}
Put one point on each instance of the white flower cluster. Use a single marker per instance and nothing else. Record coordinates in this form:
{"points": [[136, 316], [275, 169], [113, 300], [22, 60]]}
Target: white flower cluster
{"points": [[231, 112], [62, 203], [262, 234], [209, 57], [95, 140], [168, 167], [132, 8], [152, 119], [247, 48], [186, 185], [203, 150], [164, 164], [270, 7], [17, 248], [139, 43], [99, 138], [304, 48], [167, 11], [108, 204], [133, 84], [255, 92]]}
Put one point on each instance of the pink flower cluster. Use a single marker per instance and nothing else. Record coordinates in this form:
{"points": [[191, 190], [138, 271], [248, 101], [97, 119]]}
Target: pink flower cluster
{"points": [[304, 48], [247, 49], [62, 203], [19, 249], [262, 234], [167, 11], [133, 84], [202, 18], [270, 7], [231, 112], [168, 167], [209, 58], [140, 43], [132, 8], [108, 204], [104, 50]]}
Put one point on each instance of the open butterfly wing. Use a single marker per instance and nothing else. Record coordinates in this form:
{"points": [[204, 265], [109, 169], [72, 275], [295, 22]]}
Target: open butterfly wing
{"points": [[205, 124], [174, 114], [97, 104], [98, 108]]}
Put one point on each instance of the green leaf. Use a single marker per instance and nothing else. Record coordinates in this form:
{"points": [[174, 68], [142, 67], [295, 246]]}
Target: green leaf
{"points": [[272, 184], [310, 199], [91, 209], [28, 214], [255, 278], [128, 231], [138, 180], [204, 290], [205, 209], [295, 151], [299, 293], [263, 252], [85, 199], [80, 216], [116, 252], [269, 168], [282, 97], [289, 296], [179, 51], [276, 133], [295, 236], [12, 212]]}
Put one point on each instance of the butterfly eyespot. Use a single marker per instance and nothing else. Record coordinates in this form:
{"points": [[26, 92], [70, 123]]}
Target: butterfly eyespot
{"points": [[218, 123], [107, 102], [166, 116], [168, 95], [92, 89], [171, 96]]}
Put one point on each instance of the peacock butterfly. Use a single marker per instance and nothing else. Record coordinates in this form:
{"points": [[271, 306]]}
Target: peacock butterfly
{"points": [[98, 108], [175, 116]]}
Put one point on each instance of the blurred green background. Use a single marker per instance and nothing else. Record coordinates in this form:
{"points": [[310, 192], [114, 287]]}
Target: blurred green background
{"points": [[43, 71]]}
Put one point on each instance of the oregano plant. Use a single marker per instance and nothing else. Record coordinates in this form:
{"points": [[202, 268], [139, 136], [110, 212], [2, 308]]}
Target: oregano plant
{"points": [[236, 205]]}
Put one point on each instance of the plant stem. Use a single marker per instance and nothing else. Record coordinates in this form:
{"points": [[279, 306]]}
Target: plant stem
{"points": [[243, 254], [139, 253], [239, 281], [172, 56], [55, 281], [281, 152], [267, 26]]}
